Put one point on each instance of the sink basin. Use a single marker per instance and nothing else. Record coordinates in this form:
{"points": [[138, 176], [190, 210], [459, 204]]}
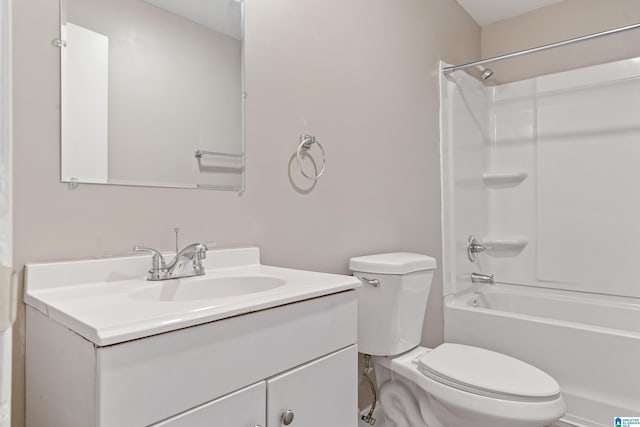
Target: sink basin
{"points": [[108, 301], [207, 288]]}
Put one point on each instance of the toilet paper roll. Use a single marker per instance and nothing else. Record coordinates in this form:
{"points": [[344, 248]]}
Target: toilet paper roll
{"points": [[8, 297]]}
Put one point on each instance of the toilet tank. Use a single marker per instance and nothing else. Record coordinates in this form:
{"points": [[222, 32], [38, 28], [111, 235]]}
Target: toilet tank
{"points": [[392, 300]]}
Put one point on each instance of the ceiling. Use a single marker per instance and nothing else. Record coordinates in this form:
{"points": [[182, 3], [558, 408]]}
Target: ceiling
{"points": [[486, 12], [220, 15]]}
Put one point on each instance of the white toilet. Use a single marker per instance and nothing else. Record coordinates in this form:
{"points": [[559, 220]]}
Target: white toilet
{"points": [[453, 384]]}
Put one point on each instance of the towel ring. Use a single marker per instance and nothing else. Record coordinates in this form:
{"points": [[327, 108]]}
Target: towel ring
{"points": [[306, 141]]}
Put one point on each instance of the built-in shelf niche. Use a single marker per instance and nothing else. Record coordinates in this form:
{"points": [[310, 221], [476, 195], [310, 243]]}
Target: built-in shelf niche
{"points": [[500, 180], [504, 246]]}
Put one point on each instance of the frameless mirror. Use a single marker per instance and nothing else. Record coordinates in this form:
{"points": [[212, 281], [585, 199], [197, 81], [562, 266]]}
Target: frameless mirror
{"points": [[152, 93]]}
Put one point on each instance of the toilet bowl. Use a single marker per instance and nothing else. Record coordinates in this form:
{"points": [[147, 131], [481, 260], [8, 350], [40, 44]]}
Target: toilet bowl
{"points": [[499, 391], [448, 386]]}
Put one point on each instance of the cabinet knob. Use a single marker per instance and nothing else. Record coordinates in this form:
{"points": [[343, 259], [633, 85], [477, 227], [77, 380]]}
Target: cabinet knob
{"points": [[287, 417]]}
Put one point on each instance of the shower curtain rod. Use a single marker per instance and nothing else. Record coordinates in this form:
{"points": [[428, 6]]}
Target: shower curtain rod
{"points": [[453, 68]]}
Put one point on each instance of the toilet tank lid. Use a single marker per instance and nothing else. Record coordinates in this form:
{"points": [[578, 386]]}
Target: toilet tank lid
{"points": [[392, 263]]}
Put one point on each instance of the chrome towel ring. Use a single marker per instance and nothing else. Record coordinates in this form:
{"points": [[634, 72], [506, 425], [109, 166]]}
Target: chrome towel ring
{"points": [[306, 142]]}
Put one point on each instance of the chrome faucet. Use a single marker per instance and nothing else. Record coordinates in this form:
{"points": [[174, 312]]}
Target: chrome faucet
{"points": [[487, 279], [177, 268]]}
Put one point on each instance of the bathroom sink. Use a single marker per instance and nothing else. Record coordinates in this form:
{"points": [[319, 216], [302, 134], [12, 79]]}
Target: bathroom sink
{"points": [[109, 301], [218, 287]]}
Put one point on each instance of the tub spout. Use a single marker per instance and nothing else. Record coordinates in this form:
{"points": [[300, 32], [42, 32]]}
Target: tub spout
{"points": [[487, 279]]}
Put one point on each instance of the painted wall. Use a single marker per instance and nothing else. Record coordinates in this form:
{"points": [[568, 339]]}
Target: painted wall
{"points": [[561, 21], [361, 75]]}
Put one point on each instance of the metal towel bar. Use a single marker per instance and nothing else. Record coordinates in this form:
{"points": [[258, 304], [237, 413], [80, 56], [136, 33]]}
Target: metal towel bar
{"points": [[199, 153]]}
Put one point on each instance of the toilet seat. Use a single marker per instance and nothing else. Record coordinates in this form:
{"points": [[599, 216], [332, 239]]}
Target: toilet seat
{"points": [[487, 373], [484, 403]]}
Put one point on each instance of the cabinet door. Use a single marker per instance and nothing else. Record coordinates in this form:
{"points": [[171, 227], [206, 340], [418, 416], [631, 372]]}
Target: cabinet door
{"points": [[322, 393], [243, 408]]}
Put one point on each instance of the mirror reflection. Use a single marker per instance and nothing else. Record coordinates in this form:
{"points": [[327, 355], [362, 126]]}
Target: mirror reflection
{"points": [[152, 93]]}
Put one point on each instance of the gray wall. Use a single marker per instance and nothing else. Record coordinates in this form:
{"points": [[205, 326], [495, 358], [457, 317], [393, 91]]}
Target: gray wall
{"points": [[561, 21], [361, 75]]}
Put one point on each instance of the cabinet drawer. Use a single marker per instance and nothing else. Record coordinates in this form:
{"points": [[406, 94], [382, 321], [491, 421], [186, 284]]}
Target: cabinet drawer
{"points": [[145, 381], [244, 408]]}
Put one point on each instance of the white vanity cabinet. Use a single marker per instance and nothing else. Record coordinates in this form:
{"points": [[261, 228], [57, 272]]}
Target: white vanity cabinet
{"points": [[318, 394], [236, 347], [244, 408], [234, 372]]}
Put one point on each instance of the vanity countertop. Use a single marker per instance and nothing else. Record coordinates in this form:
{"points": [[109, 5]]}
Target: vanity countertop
{"points": [[109, 301]]}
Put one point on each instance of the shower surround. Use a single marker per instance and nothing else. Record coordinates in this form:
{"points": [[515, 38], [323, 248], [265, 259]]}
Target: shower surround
{"points": [[544, 173]]}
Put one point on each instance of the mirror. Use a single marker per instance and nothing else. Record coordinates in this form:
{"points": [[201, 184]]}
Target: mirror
{"points": [[152, 93]]}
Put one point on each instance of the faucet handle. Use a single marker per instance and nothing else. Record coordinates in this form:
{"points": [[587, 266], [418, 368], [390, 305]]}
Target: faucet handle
{"points": [[210, 244], [158, 260], [202, 253]]}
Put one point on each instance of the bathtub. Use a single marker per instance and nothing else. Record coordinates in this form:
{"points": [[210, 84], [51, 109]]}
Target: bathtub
{"points": [[589, 343]]}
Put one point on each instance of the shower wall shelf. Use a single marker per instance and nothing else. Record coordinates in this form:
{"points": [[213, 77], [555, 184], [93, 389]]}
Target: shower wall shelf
{"points": [[504, 246], [499, 180]]}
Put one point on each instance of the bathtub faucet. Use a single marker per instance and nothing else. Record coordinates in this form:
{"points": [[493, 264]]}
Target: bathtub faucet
{"points": [[487, 279]]}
